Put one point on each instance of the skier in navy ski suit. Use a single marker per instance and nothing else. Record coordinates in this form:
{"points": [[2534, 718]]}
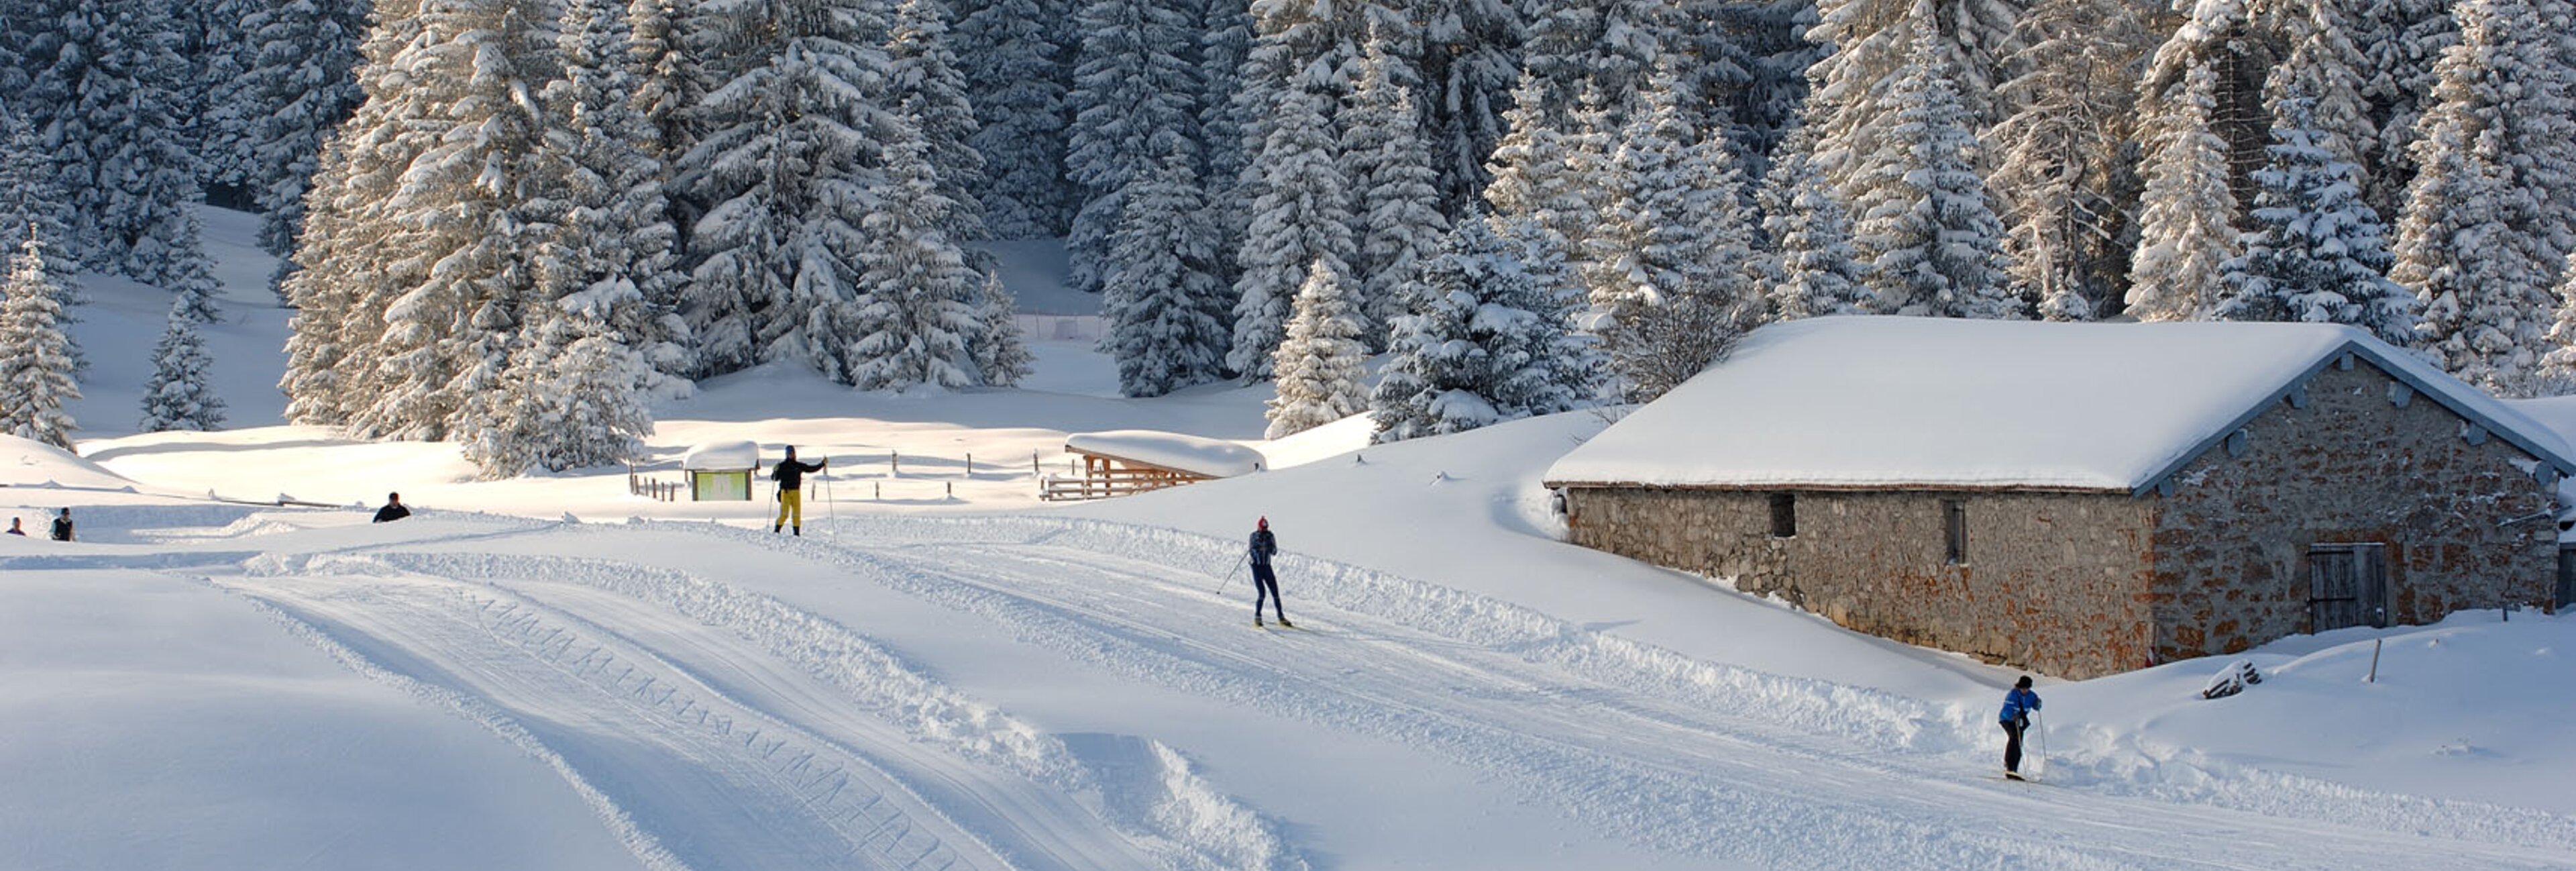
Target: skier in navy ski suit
{"points": [[1265, 584], [2016, 719]]}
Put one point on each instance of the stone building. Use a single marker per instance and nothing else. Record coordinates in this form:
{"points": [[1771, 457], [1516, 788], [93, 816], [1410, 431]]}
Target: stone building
{"points": [[2081, 499]]}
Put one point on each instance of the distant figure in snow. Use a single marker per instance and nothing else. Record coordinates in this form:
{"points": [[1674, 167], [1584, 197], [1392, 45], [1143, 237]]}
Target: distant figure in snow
{"points": [[393, 509], [790, 476], [63, 526], [14, 529], [2016, 718], [1265, 584]]}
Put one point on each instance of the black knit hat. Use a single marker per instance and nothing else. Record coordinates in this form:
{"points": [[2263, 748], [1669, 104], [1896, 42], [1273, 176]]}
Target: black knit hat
{"points": [[2023, 683]]}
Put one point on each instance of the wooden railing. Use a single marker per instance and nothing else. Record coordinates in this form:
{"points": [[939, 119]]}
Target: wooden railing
{"points": [[1109, 482]]}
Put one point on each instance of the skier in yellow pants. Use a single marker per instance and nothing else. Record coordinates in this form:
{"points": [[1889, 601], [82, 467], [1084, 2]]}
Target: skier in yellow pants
{"points": [[790, 476]]}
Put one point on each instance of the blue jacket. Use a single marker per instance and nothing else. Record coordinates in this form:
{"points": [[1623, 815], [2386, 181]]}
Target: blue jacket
{"points": [[2018, 704], [1263, 545]]}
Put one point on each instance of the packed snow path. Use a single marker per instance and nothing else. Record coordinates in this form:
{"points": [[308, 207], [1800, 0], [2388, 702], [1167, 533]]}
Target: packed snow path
{"points": [[729, 722]]}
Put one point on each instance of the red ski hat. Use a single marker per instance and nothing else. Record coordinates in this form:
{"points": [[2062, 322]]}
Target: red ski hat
{"points": [[1263, 523]]}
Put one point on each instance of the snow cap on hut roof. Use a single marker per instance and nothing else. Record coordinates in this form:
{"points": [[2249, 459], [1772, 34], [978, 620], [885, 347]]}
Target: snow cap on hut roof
{"points": [[1215, 458], [723, 455], [1928, 403]]}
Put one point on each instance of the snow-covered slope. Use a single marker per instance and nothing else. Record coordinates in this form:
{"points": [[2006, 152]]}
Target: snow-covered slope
{"points": [[945, 672]]}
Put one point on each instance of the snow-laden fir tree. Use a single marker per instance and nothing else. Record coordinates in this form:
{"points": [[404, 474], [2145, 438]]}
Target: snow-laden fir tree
{"points": [[1484, 342], [2400, 41], [1932, 243], [610, 193], [2487, 218], [33, 206], [1469, 63], [2185, 234], [218, 38], [1017, 72], [177, 396], [300, 78], [1751, 63], [2324, 67], [1398, 196], [1225, 122], [1322, 364], [1678, 280], [2062, 146], [1533, 195], [2557, 373], [670, 76], [1810, 262], [473, 201], [2316, 253], [35, 359], [918, 312], [119, 127], [788, 168], [574, 393], [1168, 313], [1134, 87], [1303, 214], [1608, 46], [1000, 353], [1870, 41], [923, 74], [352, 258]]}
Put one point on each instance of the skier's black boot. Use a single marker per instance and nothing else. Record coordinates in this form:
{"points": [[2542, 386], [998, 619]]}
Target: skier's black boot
{"points": [[775, 527], [1283, 621], [800, 531]]}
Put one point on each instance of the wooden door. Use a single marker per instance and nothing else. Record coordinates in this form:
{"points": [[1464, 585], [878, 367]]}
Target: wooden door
{"points": [[2347, 586]]}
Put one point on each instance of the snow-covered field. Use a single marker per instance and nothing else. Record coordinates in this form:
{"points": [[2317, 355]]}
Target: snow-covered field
{"points": [[945, 672]]}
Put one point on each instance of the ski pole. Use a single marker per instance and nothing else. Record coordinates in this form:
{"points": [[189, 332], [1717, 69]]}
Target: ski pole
{"points": [[2039, 728], [1230, 573]]}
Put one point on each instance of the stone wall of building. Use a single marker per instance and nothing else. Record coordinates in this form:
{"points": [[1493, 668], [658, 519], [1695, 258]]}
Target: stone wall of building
{"points": [[2353, 466], [2053, 582]]}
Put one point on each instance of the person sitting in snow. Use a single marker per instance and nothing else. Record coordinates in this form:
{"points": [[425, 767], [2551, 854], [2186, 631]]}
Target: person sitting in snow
{"points": [[790, 476], [14, 528], [63, 526], [2016, 719], [1264, 583], [393, 509]]}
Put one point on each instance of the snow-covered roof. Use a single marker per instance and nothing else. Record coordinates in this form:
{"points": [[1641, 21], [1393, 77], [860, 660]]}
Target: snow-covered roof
{"points": [[722, 456], [1902, 402], [1214, 458]]}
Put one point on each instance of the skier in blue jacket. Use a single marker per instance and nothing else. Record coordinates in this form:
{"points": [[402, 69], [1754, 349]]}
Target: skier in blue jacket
{"points": [[2016, 719], [1265, 584]]}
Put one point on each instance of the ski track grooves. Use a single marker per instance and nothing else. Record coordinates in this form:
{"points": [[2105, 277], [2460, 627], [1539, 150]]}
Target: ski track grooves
{"points": [[1180, 823], [1639, 741]]}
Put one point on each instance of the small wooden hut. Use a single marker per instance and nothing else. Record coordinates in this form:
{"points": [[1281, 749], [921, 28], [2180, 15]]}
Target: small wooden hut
{"points": [[721, 471], [1121, 462]]}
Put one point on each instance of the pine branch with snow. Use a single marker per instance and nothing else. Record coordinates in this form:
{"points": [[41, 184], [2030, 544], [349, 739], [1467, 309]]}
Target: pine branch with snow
{"points": [[1322, 363], [2316, 253], [1303, 215]]}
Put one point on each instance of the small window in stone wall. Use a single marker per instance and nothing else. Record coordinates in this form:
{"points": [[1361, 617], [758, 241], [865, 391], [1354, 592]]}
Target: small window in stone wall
{"points": [[1784, 515], [1954, 531]]}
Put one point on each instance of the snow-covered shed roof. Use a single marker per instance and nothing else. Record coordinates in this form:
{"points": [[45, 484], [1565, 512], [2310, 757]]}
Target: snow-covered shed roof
{"points": [[1214, 458], [722, 456], [1936, 403]]}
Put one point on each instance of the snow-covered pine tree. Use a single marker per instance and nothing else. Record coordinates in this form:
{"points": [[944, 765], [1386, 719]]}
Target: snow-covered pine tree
{"points": [[1322, 365], [1133, 86], [35, 360], [2324, 67], [670, 80], [352, 258], [1933, 244], [1752, 60], [1469, 62], [1531, 193], [1398, 197], [1000, 352], [2061, 148], [218, 40], [472, 199], [1681, 281], [919, 312], [1608, 46], [33, 206], [1303, 215], [2400, 41], [1810, 262], [1485, 343], [1018, 71], [300, 76], [2316, 252], [2493, 165], [2185, 230], [177, 395], [1169, 322], [1869, 42], [612, 209], [2557, 373], [924, 75], [123, 138], [1225, 122], [778, 246]]}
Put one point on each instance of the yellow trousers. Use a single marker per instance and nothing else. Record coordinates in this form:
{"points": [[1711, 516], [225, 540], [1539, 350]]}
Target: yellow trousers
{"points": [[791, 504]]}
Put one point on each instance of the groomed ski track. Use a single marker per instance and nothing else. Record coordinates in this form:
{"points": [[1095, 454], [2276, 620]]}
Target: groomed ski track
{"points": [[727, 723]]}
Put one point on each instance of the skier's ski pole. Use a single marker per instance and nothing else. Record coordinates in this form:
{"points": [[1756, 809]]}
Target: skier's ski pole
{"points": [[1230, 573], [2039, 729]]}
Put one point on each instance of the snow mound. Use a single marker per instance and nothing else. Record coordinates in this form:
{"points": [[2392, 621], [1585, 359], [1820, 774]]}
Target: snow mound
{"points": [[26, 463]]}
